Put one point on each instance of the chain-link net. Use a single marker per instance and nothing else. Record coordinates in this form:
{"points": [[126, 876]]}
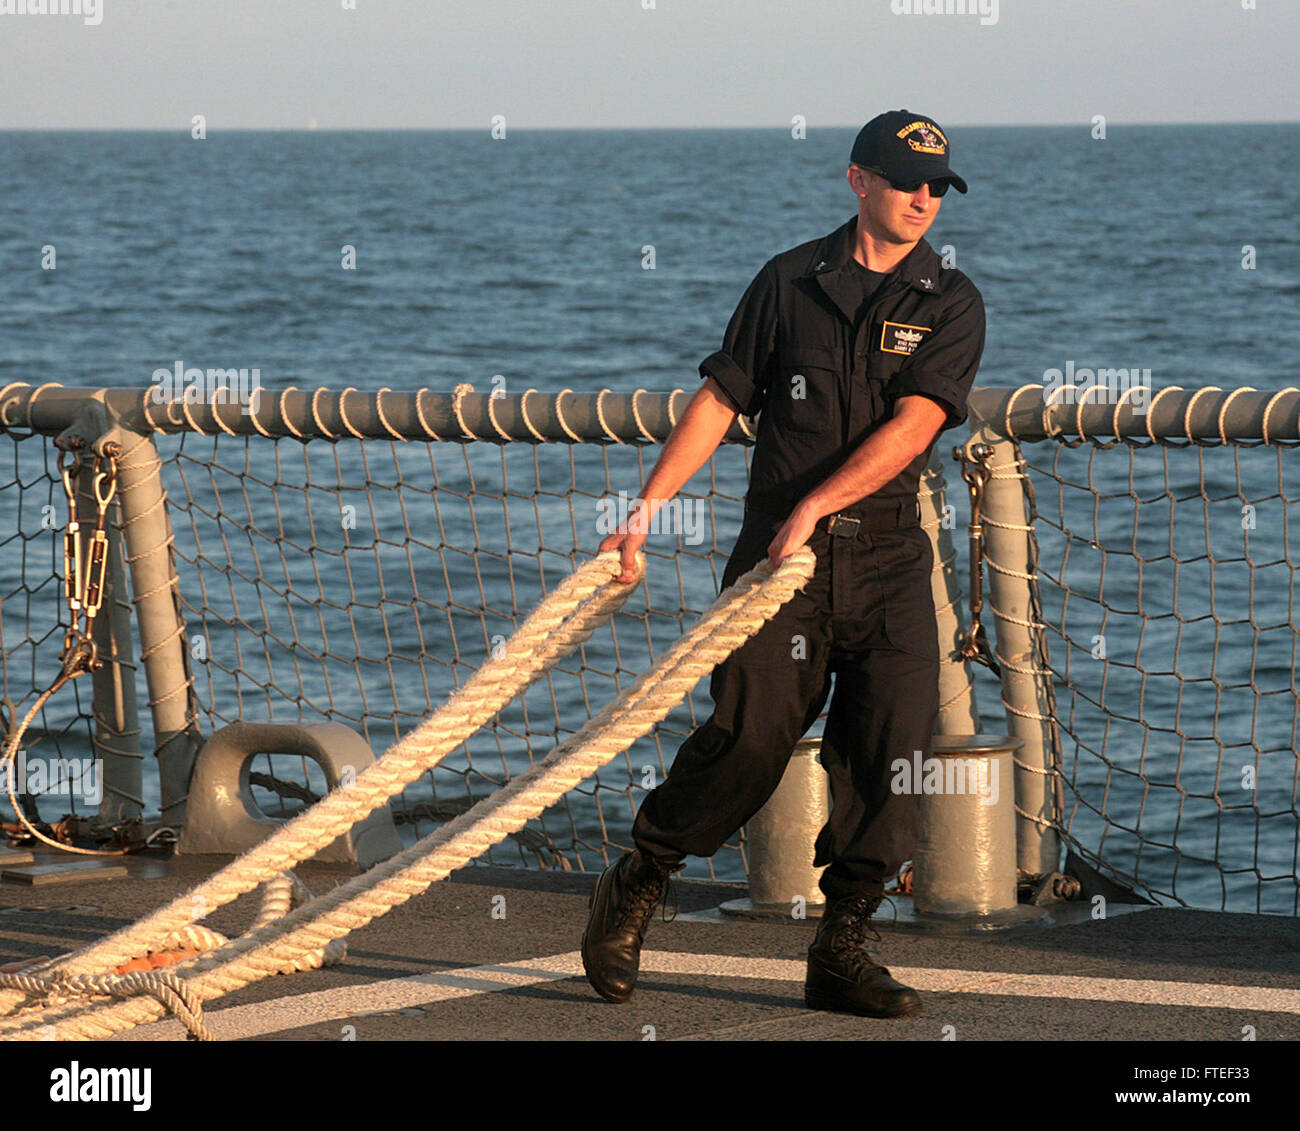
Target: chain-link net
{"points": [[1167, 596], [57, 772], [362, 582]]}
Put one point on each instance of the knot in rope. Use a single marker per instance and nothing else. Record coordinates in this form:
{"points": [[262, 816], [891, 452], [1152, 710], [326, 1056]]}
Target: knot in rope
{"points": [[170, 991]]}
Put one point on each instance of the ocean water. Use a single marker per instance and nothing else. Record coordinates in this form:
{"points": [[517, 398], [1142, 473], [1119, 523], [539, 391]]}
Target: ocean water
{"points": [[522, 261]]}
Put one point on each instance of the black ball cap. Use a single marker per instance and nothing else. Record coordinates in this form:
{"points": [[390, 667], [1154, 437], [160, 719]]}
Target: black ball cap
{"points": [[909, 147]]}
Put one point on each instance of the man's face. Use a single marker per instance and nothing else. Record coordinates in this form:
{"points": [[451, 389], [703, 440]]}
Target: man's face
{"points": [[890, 214]]}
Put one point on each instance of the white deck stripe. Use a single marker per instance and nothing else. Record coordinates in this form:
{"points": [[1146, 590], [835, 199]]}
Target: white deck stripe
{"points": [[297, 1010], [1141, 991]]}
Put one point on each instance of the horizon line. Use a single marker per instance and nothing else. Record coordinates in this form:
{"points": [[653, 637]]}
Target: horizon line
{"points": [[783, 127]]}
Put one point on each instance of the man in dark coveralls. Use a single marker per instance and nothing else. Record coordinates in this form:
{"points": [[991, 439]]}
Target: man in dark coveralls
{"points": [[859, 348]]}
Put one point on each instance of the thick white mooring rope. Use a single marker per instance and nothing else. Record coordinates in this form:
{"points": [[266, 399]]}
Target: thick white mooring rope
{"points": [[559, 624], [279, 896], [305, 935]]}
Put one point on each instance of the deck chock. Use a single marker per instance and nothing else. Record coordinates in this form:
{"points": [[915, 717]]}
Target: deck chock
{"points": [[222, 817], [70, 872], [13, 857]]}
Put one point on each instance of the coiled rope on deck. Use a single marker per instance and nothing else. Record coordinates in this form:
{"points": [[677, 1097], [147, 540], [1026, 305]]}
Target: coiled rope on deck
{"points": [[738, 613], [279, 896]]}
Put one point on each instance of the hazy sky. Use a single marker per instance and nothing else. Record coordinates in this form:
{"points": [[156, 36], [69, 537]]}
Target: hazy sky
{"points": [[440, 64]]}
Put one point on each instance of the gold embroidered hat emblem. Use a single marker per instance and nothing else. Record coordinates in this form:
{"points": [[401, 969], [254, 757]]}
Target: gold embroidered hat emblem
{"points": [[924, 137]]}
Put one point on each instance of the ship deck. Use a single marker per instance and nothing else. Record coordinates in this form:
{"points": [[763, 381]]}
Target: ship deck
{"points": [[444, 967]]}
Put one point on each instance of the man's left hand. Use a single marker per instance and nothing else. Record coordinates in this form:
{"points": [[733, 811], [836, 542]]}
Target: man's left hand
{"points": [[795, 533]]}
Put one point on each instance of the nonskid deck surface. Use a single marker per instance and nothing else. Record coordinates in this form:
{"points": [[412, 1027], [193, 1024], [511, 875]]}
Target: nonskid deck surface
{"points": [[492, 953]]}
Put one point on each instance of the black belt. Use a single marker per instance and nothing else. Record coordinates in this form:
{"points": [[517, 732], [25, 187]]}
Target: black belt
{"points": [[871, 517], [879, 515]]}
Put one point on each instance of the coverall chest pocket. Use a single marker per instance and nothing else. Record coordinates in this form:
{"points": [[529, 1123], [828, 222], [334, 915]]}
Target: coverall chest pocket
{"points": [[803, 398], [872, 390], [883, 365], [869, 406]]}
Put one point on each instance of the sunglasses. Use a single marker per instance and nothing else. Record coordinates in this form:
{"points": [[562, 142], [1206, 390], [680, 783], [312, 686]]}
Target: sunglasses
{"points": [[937, 188]]}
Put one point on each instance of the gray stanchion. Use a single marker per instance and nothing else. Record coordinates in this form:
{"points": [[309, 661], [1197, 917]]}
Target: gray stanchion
{"points": [[163, 650], [117, 721], [1024, 689]]}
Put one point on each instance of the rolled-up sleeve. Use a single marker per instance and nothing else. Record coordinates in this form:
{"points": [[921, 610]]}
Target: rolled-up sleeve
{"points": [[740, 366], [944, 365]]}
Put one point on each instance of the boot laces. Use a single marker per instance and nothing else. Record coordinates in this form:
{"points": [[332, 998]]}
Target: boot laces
{"points": [[647, 890], [851, 930]]}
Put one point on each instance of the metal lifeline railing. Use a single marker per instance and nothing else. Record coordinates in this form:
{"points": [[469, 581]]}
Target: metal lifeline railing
{"points": [[1141, 572], [354, 557], [361, 580]]}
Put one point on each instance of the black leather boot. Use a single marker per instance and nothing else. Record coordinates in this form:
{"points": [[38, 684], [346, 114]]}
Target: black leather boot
{"points": [[841, 973], [622, 904]]}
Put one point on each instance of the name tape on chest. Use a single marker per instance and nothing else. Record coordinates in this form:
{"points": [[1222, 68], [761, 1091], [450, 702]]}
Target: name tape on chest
{"points": [[899, 337]]}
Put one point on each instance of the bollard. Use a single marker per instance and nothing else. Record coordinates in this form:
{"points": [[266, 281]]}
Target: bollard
{"points": [[780, 838], [966, 852]]}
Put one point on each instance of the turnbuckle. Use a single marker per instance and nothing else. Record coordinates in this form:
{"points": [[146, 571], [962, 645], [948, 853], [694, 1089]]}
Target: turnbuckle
{"points": [[84, 567], [974, 459]]}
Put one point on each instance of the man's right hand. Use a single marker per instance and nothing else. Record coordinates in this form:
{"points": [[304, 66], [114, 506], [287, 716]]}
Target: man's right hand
{"points": [[627, 543], [692, 441]]}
